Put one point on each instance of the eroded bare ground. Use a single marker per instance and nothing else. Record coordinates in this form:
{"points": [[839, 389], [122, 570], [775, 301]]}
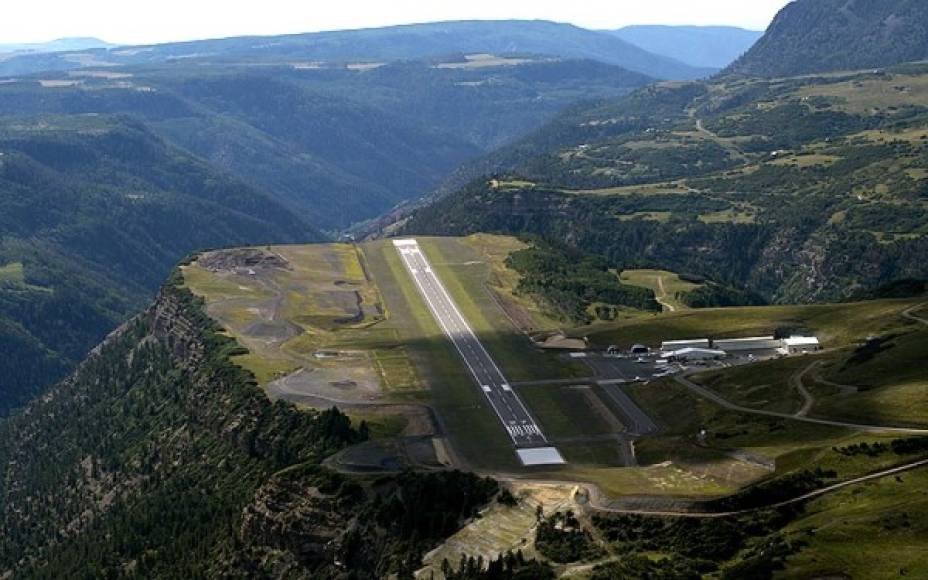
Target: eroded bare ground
{"points": [[501, 528], [311, 320]]}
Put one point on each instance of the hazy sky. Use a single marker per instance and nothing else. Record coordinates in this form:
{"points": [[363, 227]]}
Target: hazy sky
{"points": [[149, 21]]}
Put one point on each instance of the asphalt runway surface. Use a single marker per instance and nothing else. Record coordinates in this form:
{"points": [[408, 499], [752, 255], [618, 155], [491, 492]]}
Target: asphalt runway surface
{"points": [[522, 428]]}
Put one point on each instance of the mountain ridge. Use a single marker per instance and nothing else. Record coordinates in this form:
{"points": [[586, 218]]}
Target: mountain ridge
{"points": [[701, 46], [816, 36], [119, 207], [405, 42]]}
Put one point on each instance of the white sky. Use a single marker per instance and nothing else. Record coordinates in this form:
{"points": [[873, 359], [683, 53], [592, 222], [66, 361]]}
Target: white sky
{"points": [[150, 21]]}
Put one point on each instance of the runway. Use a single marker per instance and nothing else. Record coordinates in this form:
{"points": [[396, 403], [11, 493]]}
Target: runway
{"points": [[531, 445]]}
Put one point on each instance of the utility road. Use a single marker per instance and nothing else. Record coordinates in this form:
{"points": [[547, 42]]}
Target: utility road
{"points": [[522, 428]]}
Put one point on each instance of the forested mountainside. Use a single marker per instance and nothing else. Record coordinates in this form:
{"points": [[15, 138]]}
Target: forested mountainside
{"points": [[703, 46], [814, 36], [408, 42], [107, 178], [160, 458], [337, 144], [800, 189], [94, 211]]}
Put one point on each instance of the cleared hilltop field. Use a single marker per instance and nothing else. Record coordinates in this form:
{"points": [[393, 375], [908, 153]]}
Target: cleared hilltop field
{"points": [[665, 285], [343, 324], [340, 324]]}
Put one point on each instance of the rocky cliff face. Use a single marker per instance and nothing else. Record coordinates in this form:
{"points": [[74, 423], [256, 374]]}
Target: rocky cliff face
{"points": [[160, 458], [145, 458]]}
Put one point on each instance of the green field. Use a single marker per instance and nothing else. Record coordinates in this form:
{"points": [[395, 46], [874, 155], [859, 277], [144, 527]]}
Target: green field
{"points": [[525, 313], [892, 385], [567, 411], [759, 386], [465, 276], [835, 325], [394, 351], [12, 273], [874, 530], [317, 299], [683, 414], [667, 286], [13, 276]]}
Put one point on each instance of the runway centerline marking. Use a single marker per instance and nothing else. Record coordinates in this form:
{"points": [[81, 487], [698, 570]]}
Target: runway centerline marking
{"points": [[526, 434]]}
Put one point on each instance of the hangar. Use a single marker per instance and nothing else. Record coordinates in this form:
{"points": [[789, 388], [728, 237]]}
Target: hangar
{"points": [[801, 344], [691, 354], [672, 345], [742, 344]]}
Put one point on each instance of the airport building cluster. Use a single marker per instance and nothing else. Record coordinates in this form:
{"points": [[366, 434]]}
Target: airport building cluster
{"points": [[706, 349]]}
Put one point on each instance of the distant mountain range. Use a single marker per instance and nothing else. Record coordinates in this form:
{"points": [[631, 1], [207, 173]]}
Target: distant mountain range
{"points": [[409, 42], [58, 45], [699, 46], [813, 36]]}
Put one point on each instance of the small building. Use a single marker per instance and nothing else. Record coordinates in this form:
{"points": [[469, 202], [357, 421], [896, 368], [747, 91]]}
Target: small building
{"points": [[751, 343], [801, 344], [672, 345], [692, 354]]}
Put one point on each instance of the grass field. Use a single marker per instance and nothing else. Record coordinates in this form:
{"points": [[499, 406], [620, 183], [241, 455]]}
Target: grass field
{"points": [[666, 286], [316, 299], [730, 216], [875, 530], [12, 273], [759, 386], [861, 96], [835, 324], [465, 276], [892, 385], [13, 276], [503, 281], [653, 216], [567, 411], [683, 414]]}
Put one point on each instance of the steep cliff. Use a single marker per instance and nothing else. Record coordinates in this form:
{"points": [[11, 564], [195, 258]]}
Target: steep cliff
{"points": [[159, 457], [140, 463]]}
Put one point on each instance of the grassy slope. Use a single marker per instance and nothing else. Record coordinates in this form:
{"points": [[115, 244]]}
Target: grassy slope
{"points": [[666, 286], [875, 530], [504, 281], [835, 324]]}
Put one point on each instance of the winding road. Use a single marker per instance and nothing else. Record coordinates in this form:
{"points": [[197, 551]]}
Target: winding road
{"points": [[716, 398], [804, 497]]}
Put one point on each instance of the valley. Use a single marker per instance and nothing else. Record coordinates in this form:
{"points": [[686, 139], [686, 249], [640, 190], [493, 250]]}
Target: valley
{"points": [[469, 299]]}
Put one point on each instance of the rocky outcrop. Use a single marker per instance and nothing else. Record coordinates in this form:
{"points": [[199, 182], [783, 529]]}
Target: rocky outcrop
{"points": [[149, 452]]}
